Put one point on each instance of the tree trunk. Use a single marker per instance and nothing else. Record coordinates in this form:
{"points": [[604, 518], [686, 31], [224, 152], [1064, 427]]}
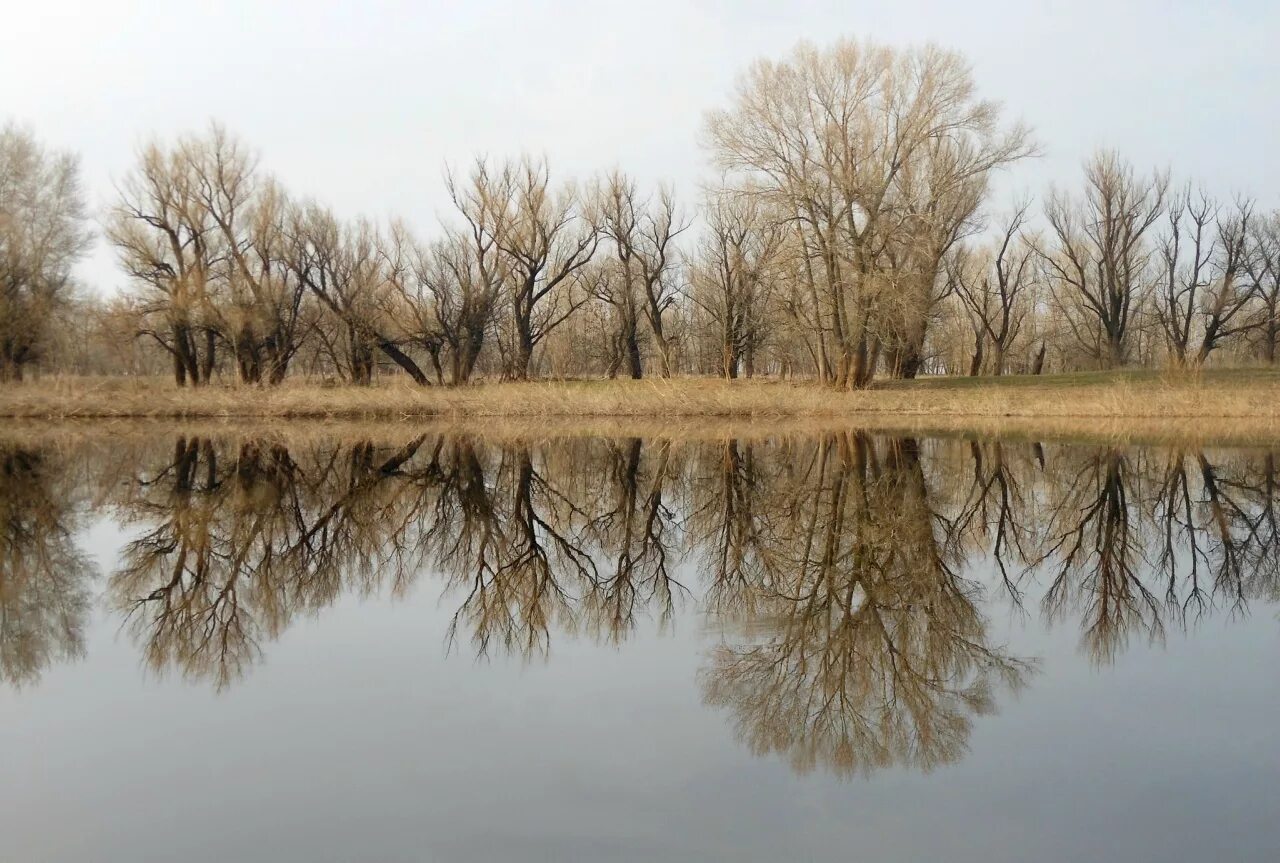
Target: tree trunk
{"points": [[975, 365], [634, 367], [729, 362], [862, 362], [465, 355], [358, 358], [1038, 366], [910, 363], [664, 347], [524, 351], [185, 368], [404, 361], [1115, 351], [210, 355], [279, 368], [248, 358]]}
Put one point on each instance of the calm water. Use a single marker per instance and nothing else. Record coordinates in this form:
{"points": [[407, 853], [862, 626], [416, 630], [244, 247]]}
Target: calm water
{"points": [[787, 648]]}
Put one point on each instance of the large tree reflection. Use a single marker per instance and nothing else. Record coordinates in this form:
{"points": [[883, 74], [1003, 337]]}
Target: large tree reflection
{"points": [[233, 545], [516, 559], [1137, 541], [236, 540], [44, 577], [876, 653], [1095, 541]]}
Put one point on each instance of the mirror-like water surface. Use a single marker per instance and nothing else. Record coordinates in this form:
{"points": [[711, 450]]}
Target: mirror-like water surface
{"points": [[441, 647]]}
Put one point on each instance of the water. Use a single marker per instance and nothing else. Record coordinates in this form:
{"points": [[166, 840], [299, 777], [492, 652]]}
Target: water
{"points": [[428, 646]]}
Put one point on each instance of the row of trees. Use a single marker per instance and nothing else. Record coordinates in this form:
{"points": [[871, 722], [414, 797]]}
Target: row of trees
{"points": [[224, 260], [848, 234]]}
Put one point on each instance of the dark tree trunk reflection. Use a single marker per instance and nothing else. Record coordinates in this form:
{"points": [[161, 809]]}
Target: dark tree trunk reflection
{"points": [[848, 579]]}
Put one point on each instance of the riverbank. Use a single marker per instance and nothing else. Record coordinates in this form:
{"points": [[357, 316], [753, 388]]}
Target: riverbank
{"points": [[1243, 398]]}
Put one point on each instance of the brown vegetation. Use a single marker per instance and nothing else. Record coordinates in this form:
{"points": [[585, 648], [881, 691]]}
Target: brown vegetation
{"points": [[1241, 401]]}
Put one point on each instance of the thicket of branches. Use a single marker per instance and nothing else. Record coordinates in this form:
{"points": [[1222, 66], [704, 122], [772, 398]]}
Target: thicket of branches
{"points": [[850, 233]]}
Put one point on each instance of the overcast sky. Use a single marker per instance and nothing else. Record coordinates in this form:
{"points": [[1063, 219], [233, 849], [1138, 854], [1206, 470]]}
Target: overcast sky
{"points": [[361, 105]]}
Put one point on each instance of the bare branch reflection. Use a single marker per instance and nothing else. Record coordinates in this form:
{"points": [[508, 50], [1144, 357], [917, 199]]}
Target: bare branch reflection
{"points": [[877, 654], [44, 577], [848, 582]]}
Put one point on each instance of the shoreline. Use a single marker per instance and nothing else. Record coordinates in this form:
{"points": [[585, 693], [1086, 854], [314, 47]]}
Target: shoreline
{"points": [[1236, 406], [1112, 432], [1242, 393]]}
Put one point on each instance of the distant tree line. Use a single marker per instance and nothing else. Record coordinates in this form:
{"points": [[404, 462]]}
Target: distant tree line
{"points": [[849, 234]]}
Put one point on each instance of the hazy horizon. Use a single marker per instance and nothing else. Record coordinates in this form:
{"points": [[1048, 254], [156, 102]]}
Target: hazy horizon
{"points": [[363, 110]]}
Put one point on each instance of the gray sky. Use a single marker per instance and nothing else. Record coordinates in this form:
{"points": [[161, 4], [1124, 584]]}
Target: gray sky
{"points": [[361, 105]]}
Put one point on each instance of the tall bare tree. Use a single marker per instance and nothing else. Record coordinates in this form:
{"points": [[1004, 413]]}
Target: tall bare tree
{"points": [[343, 268], [730, 277], [1098, 260], [42, 234], [546, 241], [1263, 267], [642, 235], [170, 246], [465, 272], [865, 149], [995, 285], [260, 306], [1204, 294], [938, 195]]}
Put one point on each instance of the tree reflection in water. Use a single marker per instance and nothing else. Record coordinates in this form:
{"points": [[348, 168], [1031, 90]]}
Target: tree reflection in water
{"points": [[877, 653], [44, 577], [849, 577]]}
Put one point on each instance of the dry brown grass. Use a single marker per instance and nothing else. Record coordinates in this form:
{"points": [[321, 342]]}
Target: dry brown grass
{"points": [[1250, 397], [1120, 432]]}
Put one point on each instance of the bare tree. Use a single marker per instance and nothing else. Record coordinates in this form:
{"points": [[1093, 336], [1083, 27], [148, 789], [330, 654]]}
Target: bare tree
{"points": [[730, 277], [867, 150], [465, 272], [403, 301], [1098, 261], [343, 268], [42, 234], [546, 242], [261, 307], [994, 285], [1204, 293], [170, 246], [642, 234], [204, 233], [938, 195], [456, 300], [1263, 268], [609, 282]]}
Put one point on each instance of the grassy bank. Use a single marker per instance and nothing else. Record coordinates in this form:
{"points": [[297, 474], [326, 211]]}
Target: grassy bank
{"points": [[1241, 397], [1108, 431]]}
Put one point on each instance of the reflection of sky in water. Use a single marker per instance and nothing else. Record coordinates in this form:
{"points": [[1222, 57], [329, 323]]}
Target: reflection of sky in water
{"points": [[358, 735]]}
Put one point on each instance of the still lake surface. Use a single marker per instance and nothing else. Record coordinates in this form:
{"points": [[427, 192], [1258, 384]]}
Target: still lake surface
{"points": [[431, 646]]}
